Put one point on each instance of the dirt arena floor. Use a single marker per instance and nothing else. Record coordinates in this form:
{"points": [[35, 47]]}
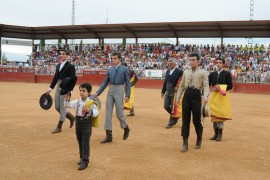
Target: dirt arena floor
{"points": [[28, 150]]}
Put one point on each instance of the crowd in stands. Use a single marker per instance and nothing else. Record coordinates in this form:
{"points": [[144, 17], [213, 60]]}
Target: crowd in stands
{"points": [[247, 64]]}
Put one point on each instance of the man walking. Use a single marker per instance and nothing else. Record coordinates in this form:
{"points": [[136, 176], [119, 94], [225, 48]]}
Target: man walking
{"points": [[63, 70], [193, 82], [220, 105], [117, 76], [169, 88]]}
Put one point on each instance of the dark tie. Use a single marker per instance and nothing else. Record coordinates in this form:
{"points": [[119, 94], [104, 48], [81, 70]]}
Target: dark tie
{"points": [[115, 75]]}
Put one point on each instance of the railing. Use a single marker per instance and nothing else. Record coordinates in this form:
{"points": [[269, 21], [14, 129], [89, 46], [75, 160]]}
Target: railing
{"points": [[253, 77], [17, 70]]}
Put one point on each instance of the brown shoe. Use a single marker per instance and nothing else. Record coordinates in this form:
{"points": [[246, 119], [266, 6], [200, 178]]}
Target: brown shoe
{"points": [[71, 119], [58, 129]]}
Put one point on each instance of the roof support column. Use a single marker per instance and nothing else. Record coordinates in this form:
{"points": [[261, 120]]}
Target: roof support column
{"points": [[136, 43], [177, 41], [66, 41], [1, 50], [31, 57], [99, 41], [221, 41]]}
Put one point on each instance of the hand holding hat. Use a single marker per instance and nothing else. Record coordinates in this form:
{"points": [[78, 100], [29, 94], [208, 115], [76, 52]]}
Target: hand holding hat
{"points": [[45, 101], [67, 85]]}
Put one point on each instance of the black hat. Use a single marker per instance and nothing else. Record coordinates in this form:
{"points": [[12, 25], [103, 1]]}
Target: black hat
{"points": [[45, 101], [67, 85], [95, 99]]}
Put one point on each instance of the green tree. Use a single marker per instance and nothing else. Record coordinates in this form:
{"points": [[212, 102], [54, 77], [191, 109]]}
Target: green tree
{"points": [[81, 45], [59, 42], [124, 44], [4, 59], [42, 44]]}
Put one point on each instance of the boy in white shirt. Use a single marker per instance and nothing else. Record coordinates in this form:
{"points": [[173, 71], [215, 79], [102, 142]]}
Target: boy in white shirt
{"points": [[84, 121]]}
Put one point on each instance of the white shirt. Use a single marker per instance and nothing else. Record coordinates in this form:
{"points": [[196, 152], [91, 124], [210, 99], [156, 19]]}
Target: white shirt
{"points": [[117, 65], [62, 65], [219, 71], [78, 107], [171, 71]]}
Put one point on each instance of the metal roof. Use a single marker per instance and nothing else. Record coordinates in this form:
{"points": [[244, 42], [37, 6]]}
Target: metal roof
{"points": [[207, 29]]}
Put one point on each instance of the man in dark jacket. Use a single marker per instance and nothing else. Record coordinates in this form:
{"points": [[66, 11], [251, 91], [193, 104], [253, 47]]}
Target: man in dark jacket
{"points": [[63, 70], [169, 88], [220, 77]]}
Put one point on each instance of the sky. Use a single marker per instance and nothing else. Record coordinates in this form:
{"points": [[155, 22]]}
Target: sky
{"points": [[58, 12]]}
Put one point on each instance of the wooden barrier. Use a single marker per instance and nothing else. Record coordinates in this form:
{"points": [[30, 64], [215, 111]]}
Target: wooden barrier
{"points": [[17, 75], [97, 77]]}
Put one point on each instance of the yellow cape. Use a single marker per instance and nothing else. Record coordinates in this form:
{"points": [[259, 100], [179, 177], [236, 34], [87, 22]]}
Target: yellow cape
{"points": [[220, 105], [95, 120], [128, 105], [177, 108]]}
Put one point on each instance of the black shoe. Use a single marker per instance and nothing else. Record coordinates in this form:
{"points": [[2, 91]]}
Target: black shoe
{"points": [[219, 136], [126, 133], [79, 162], [171, 123], [198, 143], [83, 165], [169, 126], [108, 138], [215, 135], [185, 145], [131, 115]]}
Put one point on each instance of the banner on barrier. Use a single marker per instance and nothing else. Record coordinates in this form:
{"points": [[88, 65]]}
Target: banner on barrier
{"points": [[153, 73]]}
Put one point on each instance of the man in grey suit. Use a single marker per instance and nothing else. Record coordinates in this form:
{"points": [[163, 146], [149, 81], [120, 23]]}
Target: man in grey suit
{"points": [[63, 70], [117, 76]]}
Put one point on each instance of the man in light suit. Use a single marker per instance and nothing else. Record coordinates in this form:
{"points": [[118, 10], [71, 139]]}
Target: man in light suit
{"points": [[194, 81], [63, 70], [117, 76]]}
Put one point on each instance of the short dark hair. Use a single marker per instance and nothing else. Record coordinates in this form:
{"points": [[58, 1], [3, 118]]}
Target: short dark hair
{"points": [[124, 64], [195, 55], [64, 50], [221, 59], [87, 86], [117, 54]]}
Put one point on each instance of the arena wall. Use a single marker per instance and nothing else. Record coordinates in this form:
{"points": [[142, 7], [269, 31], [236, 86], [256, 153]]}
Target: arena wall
{"points": [[97, 77]]}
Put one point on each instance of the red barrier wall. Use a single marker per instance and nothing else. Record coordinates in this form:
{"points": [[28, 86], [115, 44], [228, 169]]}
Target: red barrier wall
{"points": [[252, 88], [17, 75], [150, 83], [97, 77]]}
